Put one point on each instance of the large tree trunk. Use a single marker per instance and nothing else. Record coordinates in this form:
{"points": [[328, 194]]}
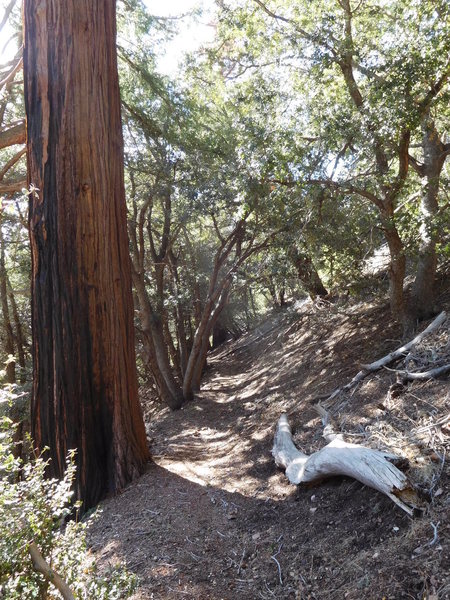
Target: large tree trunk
{"points": [[84, 372], [422, 295]]}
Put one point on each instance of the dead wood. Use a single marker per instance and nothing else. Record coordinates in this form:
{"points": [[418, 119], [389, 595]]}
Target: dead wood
{"points": [[371, 467], [424, 375], [389, 358]]}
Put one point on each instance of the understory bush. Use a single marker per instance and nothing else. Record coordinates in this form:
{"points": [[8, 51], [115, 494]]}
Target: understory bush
{"points": [[36, 509]]}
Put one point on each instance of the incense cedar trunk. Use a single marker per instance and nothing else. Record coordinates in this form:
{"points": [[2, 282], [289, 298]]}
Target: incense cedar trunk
{"points": [[84, 384]]}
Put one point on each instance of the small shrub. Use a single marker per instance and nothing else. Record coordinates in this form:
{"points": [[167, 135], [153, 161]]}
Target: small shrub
{"points": [[33, 508]]}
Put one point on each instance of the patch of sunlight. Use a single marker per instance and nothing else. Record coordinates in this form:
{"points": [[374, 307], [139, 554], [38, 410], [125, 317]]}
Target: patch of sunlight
{"points": [[199, 475], [163, 570], [252, 389], [260, 435]]}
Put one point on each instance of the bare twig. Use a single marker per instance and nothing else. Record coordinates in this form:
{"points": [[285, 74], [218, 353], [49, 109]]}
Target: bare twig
{"points": [[442, 421], [273, 557], [435, 536]]}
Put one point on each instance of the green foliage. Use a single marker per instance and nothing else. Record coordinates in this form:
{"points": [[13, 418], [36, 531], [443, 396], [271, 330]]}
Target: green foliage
{"points": [[33, 508]]}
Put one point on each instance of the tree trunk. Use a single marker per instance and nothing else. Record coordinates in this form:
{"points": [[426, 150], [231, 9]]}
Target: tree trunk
{"points": [[307, 274], [9, 335], [397, 269], [151, 324], [197, 356], [19, 336], [201, 360], [84, 372], [422, 294]]}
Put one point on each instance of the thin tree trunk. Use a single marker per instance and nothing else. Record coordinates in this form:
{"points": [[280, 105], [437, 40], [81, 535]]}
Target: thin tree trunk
{"points": [[164, 393], [19, 337], [151, 324], [160, 316], [84, 373], [9, 334], [397, 269], [422, 294], [180, 319], [272, 291], [199, 365], [252, 302], [211, 312]]}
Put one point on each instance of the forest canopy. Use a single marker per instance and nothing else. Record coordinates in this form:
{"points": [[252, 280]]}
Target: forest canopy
{"points": [[301, 151]]}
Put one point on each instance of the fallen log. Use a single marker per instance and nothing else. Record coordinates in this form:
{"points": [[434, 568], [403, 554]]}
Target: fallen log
{"points": [[389, 358], [374, 468]]}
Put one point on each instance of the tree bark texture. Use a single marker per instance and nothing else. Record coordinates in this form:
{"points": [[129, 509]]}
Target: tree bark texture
{"points": [[397, 267], [211, 312], [84, 372], [422, 294], [13, 135]]}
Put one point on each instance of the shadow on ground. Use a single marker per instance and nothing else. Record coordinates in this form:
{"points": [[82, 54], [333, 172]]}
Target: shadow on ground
{"points": [[213, 518]]}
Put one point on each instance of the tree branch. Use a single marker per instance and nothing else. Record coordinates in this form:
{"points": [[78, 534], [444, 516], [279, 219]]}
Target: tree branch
{"points": [[8, 11], [10, 187], [11, 162], [418, 167], [41, 565], [13, 135], [434, 90]]}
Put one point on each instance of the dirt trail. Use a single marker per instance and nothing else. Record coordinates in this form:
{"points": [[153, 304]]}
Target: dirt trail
{"points": [[212, 518]]}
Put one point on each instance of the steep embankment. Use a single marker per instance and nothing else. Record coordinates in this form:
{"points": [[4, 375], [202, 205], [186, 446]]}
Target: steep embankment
{"points": [[213, 518]]}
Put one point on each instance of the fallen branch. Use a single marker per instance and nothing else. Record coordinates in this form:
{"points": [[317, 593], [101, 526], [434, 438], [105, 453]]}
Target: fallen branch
{"points": [[424, 375], [371, 467], [41, 565], [391, 357], [438, 423]]}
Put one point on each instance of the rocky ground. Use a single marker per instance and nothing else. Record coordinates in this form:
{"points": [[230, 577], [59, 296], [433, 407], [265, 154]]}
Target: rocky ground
{"points": [[214, 519]]}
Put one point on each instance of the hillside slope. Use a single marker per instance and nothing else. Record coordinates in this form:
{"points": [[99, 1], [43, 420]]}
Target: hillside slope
{"points": [[213, 518]]}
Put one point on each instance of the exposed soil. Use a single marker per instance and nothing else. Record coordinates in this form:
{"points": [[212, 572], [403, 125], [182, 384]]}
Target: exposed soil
{"points": [[214, 519]]}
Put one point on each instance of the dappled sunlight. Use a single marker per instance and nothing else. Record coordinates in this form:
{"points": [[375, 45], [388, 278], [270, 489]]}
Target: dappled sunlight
{"points": [[213, 508]]}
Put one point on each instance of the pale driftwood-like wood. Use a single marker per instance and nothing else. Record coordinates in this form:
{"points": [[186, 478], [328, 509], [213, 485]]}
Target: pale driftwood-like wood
{"points": [[41, 565], [389, 358], [372, 467], [424, 375]]}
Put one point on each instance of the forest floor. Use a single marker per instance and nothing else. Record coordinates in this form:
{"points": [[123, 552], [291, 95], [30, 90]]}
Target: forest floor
{"points": [[213, 518]]}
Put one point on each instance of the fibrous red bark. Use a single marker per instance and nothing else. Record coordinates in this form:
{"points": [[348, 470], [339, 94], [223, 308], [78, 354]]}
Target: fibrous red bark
{"points": [[84, 383]]}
